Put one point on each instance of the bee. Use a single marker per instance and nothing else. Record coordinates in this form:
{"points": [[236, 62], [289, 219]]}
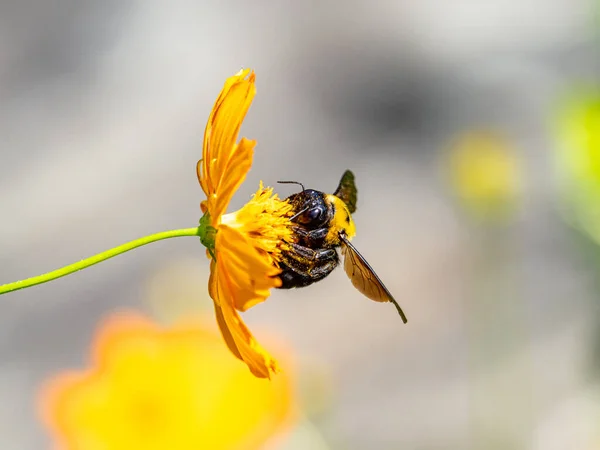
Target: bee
{"points": [[322, 223]]}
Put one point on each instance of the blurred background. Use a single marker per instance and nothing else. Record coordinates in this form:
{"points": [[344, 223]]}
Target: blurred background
{"points": [[473, 129]]}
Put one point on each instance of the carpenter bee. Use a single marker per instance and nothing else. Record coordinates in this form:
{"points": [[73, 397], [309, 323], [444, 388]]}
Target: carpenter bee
{"points": [[323, 222]]}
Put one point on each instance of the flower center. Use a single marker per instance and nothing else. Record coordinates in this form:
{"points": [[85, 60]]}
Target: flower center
{"points": [[265, 220]]}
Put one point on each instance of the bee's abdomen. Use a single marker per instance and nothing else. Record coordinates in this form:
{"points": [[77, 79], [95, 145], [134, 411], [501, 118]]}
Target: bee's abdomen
{"points": [[291, 278]]}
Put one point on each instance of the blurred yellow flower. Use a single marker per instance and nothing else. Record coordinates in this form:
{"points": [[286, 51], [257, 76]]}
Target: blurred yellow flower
{"points": [[578, 160], [484, 173], [163, 388], [245, 245]]}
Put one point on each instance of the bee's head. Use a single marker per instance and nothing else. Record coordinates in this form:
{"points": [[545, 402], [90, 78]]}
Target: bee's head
{"points": [[315, 209], [310, 209]]}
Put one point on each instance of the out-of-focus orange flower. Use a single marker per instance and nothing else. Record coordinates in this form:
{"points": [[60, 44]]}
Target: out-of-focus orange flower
{"points": [[163, 388], [245, 245], [485, 174]]}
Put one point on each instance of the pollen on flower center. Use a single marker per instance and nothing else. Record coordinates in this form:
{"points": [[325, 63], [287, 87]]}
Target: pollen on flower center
{"points": [[265, 220]]}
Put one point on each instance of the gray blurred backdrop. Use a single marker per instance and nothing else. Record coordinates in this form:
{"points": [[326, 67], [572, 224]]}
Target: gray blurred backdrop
{"points": [[103, 108]]}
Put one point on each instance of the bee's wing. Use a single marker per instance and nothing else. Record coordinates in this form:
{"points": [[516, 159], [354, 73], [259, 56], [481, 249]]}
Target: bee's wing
{"points": [[346, 191], [364, 278]]}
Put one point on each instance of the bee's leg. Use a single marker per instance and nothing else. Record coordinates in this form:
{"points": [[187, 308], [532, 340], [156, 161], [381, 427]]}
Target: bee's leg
{"points": [[299, 272], [322, 270], [303, 259], [302, 253], [310, 238]]}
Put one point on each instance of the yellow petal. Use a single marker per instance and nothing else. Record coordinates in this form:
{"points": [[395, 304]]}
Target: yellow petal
{"points": [[225, 163], [236, 333], [153, 388], [251, 272], [229, 285], [212, 290]]}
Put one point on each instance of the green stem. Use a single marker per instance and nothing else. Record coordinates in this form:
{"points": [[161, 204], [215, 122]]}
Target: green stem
{"points": [[84, 263]]}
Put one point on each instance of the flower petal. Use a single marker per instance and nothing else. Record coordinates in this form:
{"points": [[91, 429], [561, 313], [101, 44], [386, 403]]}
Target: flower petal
{"points": [[252, 274], [173, 388], [212, 290], [224, 163], [239, 278], [237, 335], [117, 328]]}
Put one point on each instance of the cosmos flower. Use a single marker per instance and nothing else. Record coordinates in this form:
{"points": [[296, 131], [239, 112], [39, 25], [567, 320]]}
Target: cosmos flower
{"points": [[244, 246], [484, 172], [173, 388]]}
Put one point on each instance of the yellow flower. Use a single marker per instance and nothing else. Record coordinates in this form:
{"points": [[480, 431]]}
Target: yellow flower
{"points": [[485, 175], [154, 389], [245, 245]]}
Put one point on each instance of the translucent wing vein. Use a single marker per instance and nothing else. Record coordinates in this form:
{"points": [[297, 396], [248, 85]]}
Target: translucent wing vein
{"points": [[364, 279]]}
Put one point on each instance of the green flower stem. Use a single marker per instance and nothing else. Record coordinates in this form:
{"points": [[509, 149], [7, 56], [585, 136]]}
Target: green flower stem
{"points": [[84, 263]]}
